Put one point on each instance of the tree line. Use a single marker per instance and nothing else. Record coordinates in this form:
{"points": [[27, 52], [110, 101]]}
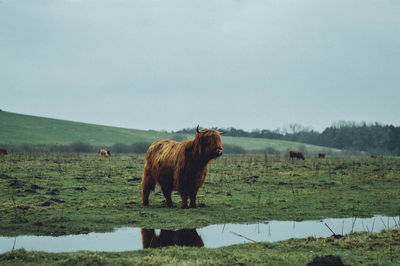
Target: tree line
{"points": [[373, 138]]}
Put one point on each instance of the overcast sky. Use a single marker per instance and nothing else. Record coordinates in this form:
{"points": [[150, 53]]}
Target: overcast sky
{"points": [[174, 64]]}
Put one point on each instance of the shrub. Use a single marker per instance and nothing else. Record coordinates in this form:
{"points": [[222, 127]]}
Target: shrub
{"points": [[140, 147], [80, 147], [121, 148], [270, 150]]}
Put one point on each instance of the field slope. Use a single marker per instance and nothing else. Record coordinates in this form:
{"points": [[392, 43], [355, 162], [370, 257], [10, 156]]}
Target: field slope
{"points": [[17, 129], [20, 129]]}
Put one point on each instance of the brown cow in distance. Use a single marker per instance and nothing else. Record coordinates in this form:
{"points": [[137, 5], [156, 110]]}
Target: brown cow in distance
{"points": [[104, 152], [376, 156], [296, 154], [180, 166], [321, 155], [183, 237], [3, 151]]}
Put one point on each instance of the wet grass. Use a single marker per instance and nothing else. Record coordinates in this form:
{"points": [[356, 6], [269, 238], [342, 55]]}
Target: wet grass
{"points": [[354, 249], [58, 194], [78, 193]]}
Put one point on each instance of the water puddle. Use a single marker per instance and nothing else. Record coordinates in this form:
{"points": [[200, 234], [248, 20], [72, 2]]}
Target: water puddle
{"points": [[213, 236]]}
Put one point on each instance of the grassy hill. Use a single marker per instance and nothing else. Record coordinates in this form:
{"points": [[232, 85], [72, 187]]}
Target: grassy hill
{"points": [[17, 129], [256, 144]]}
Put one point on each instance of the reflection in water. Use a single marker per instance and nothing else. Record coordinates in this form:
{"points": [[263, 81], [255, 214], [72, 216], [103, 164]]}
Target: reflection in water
{"points": [[212, 236], [183, 237]]}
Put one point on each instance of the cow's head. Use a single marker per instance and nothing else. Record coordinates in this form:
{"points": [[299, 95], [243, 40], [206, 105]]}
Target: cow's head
{"points": [[208, 143]]}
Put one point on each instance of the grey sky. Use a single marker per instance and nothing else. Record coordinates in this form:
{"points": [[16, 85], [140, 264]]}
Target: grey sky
{"points": [[173, 64]]}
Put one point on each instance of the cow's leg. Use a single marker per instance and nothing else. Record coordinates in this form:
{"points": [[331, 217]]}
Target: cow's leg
{"points": [[184, 201], [148, 185], [166, 183], [146, 189], [193, 200], [148, 237], [167, 194]]}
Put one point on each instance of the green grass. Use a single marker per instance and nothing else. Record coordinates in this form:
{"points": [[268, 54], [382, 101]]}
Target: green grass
{"points": [[75, 193], [58, 194], [17, 129]]}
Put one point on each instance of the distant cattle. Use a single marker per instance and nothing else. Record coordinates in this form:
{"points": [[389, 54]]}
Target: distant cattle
{"points": [[376, 156], [180, 166], [3, 151], [104, 152], [183, 237], [321, 155], [296, 154]]}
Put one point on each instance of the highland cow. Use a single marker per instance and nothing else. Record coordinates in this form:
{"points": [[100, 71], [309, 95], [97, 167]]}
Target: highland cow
{"points": [[321, 155], [183, 237], [3, 151], [104, 152], [180, 166], [296, 154]]}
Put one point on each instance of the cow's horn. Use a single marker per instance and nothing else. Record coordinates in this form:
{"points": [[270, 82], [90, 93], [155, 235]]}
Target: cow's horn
{"points": [[197, 129]]}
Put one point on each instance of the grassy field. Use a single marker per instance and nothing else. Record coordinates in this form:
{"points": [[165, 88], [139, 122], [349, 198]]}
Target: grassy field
{"points": [[17, 129], [58, 194]]}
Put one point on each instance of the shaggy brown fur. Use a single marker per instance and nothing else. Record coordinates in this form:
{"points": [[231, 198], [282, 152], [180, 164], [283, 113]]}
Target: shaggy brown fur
{"points": [[180, 166], [104, 152], [183, 237], [321, 155], [3, 151], [296, 154]]}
